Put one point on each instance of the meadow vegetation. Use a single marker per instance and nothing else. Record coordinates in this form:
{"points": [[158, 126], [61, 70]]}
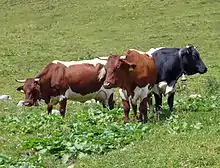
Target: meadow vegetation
{"points": [[35, 32]]}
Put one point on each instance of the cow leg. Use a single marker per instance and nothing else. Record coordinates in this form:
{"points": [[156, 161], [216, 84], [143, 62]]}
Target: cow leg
{"points": [[134, 108], [150, 101], [158, 105], [49, 108], [158, 102], [126, 107], [143, 110], [170, 101], [49, 105], [63, 103], [103, 105], [111, 102]]}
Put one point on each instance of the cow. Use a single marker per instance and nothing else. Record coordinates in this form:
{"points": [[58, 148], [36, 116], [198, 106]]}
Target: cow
{"points": [[172, 63], [58, 82], [135, 74]]}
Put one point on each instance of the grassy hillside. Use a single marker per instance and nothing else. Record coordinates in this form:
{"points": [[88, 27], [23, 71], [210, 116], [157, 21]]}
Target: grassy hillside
{"points": [[35, 32]]}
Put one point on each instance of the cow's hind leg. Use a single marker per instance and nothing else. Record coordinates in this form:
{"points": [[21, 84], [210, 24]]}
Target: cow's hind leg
{"points": [[126, 107], [170, 101], [63, 103], [158, 104]]}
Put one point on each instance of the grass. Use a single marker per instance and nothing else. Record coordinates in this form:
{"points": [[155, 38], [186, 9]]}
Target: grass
{"points": [[35, 32]]}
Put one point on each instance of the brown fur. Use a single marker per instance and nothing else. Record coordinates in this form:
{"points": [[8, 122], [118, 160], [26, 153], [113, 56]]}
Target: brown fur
{"points": [[145, 71], [85, 79]]}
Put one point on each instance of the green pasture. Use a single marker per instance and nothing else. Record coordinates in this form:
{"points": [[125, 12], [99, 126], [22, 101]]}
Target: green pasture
{"points": [[35, 32]]}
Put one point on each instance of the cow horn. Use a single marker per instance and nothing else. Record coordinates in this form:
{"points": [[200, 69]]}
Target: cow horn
{"points": [[21, 81], [103, 58], [36, 79], [122, 56]]}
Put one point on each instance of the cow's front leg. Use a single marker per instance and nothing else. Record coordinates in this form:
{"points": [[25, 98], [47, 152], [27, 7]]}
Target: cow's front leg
{"points": [[49, 108], [170, 101], [111, 101], [126, 107], [49, 105], [63, 103], [143, 110]]}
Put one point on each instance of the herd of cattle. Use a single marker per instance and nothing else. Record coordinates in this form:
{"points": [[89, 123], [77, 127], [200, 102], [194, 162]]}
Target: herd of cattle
{"points": [[137, 74]]}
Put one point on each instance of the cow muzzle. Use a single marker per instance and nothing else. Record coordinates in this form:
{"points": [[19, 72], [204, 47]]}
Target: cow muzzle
{"points": [[204, 70]]}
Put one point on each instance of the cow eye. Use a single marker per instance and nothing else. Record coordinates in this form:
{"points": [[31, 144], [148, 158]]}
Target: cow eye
{"points": [[196, 57]]}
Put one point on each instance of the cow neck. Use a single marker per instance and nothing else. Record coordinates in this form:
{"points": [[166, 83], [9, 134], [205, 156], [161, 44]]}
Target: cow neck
{"points": [[181, 62], [129, 84]]}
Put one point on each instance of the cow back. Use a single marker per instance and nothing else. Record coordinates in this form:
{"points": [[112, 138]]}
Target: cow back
{"points": [[84, 78], [146, 71]]}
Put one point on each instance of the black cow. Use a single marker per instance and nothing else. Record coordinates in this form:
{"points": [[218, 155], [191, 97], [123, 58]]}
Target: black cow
{"points": [[171, 64]]}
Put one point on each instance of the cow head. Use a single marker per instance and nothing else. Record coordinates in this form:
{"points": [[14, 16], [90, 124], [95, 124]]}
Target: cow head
{"points": [[31, 89], [192, 63], [117, 68]]}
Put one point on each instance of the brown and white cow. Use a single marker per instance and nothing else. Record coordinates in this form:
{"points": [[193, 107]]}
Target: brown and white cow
{"points": [[61, 81], [135, 74]]}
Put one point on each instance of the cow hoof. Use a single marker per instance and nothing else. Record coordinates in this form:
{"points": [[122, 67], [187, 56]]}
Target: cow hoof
{"points": [[135, 118], [126, 121], [145, 121]]}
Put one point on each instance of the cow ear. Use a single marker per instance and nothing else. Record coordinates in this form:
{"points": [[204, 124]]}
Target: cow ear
{"points": [[189, 48], [185, 51], [132, 66], [20, 88]]}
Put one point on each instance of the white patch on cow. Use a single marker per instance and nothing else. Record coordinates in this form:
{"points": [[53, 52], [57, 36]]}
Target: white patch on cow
{"points": [[123, 94], [94, 62], [123, 57], [140, 93], [164, 88], [140, 52], [152, 50], [105, 58], [61, 98], [102, 95], [170, 89], [162, 85], [102, 73]]}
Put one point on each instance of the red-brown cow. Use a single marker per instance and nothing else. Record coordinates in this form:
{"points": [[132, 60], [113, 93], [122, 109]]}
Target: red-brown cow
{"points": [[135, 73], [78, 82]]}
